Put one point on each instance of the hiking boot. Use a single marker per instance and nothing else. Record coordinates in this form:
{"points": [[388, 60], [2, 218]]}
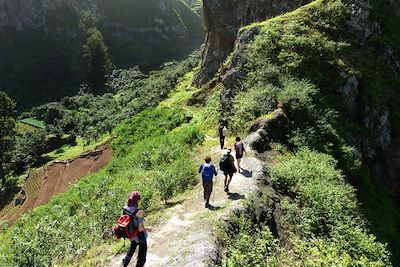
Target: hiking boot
{"points": [[206, 205]]}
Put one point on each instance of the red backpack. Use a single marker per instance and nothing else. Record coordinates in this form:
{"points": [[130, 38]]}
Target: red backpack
{"points": [[127, 225]]}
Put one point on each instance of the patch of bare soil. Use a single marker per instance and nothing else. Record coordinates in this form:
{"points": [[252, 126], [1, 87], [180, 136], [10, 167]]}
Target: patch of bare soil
{"points": [[52, 179]]}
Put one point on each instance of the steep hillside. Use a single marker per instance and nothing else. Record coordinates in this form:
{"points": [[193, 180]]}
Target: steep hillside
{"points": [[331, 68], [41, 47], [222, 27], [315, 94]]}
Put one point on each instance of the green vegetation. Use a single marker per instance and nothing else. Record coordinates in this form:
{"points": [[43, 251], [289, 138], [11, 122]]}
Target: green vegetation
{"points": [[70, 151], [92, 116], [7, 132], [295, 61], [34, 122], [46, 58], [95, 52], [86, 211], [319, 220], [64, 129]]}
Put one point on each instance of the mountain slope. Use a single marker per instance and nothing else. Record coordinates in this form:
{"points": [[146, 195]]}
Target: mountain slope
{"points": [[328, 65], [41, 47]]}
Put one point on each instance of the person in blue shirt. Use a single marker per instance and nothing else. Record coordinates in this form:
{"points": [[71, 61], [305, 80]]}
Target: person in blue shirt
{"points": [[208, 172]]}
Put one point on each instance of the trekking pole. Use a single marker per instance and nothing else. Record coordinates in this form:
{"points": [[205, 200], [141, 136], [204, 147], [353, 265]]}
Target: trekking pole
{"points": [[215, 187], [213, 195], [198, 195]]}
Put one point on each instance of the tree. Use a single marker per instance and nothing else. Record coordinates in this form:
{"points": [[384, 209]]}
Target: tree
{"points": [[7, 134], [95, 52]]}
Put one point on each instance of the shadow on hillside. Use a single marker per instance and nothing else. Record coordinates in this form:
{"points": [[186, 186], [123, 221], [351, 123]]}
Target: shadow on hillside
{"points": [[235, 196], [7, 195], [246, 173]]}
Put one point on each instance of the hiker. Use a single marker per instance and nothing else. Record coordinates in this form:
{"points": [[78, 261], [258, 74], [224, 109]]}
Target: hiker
{"points": [[208, 172], [140, 239], [239, 150], [223, 132], [227, 165]]}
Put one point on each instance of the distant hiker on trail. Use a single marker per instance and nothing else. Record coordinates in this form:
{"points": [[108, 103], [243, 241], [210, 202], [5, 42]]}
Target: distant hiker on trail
{"points": [[239, 150], [223, 132], [208, 172], [140, 239], [227, 165]]}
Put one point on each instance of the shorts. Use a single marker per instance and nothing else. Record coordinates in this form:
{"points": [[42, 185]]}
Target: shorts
{"points": [[239, 156]]}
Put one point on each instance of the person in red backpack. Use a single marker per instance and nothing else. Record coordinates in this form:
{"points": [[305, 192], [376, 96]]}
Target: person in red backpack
{"points": [[140, 239], [208, 172]]}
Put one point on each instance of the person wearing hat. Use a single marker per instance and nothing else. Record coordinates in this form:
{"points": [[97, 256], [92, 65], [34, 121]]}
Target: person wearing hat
{"points": [[140, 239], [208, 172]]}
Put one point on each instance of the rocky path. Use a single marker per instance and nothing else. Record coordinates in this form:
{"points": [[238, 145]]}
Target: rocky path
{"points": [[185, 236]]}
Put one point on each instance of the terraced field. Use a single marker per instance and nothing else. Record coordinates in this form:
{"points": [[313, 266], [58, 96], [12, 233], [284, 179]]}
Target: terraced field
{"points": [[52, 179]]}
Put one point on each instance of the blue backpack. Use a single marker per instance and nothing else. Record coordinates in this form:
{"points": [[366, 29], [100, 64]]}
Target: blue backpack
{"points": [[207, 172]]}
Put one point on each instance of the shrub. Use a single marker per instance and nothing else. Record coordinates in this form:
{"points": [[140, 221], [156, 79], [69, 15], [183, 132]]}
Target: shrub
{"points": [[87, 211]]}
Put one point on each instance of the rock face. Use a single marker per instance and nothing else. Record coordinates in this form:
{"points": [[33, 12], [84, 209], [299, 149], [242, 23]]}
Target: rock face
{"points": [[223, 19], [41, 43]]}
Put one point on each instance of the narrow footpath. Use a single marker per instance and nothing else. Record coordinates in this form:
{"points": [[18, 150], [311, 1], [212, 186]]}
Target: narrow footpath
{"points": [[185, 237]]}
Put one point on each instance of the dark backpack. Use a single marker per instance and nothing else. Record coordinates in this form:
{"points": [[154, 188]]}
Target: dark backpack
{"points": [[224, 164], [127, 225]]}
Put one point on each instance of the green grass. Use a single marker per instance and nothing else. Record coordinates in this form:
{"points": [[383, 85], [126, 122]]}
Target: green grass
{"points": [[311, 46], [318, 219], [69, 152], [34, 122], [22, 128], [150, 150], [153, 166]]}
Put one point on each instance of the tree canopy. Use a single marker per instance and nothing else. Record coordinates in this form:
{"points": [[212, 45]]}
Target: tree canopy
{"points": [[95, 52], [7, 133]]}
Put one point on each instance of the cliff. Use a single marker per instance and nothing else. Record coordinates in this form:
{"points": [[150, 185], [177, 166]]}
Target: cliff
{"points": [[223, 19]]}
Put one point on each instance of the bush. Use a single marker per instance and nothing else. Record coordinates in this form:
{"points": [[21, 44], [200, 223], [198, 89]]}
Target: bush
{"points": [[323, 208], [87, 211]]}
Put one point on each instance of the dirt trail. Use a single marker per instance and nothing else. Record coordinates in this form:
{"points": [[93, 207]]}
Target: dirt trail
{"points": [[185, 237], [53, 179]]}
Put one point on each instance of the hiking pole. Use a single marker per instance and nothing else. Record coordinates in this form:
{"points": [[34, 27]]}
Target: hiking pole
{"points": [[198, 196], [213, 195], [215, 187]]}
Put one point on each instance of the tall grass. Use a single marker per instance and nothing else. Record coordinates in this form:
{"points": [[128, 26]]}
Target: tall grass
{"points": [[154, 162]]}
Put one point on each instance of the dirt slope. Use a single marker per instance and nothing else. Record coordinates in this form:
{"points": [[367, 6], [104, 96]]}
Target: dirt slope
{"points": [[53, 179], [185, 237]]}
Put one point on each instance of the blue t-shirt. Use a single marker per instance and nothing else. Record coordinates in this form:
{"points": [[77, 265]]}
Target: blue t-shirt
{"points": [[207, 171]]}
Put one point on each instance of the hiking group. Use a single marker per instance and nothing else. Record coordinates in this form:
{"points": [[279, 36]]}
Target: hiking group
{"points": [[226, 165], [130, 224]]}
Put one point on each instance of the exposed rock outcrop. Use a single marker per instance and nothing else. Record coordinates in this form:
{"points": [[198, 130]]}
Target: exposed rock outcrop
{"points": [[360, 24], [265, 130], [223, 19]]}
